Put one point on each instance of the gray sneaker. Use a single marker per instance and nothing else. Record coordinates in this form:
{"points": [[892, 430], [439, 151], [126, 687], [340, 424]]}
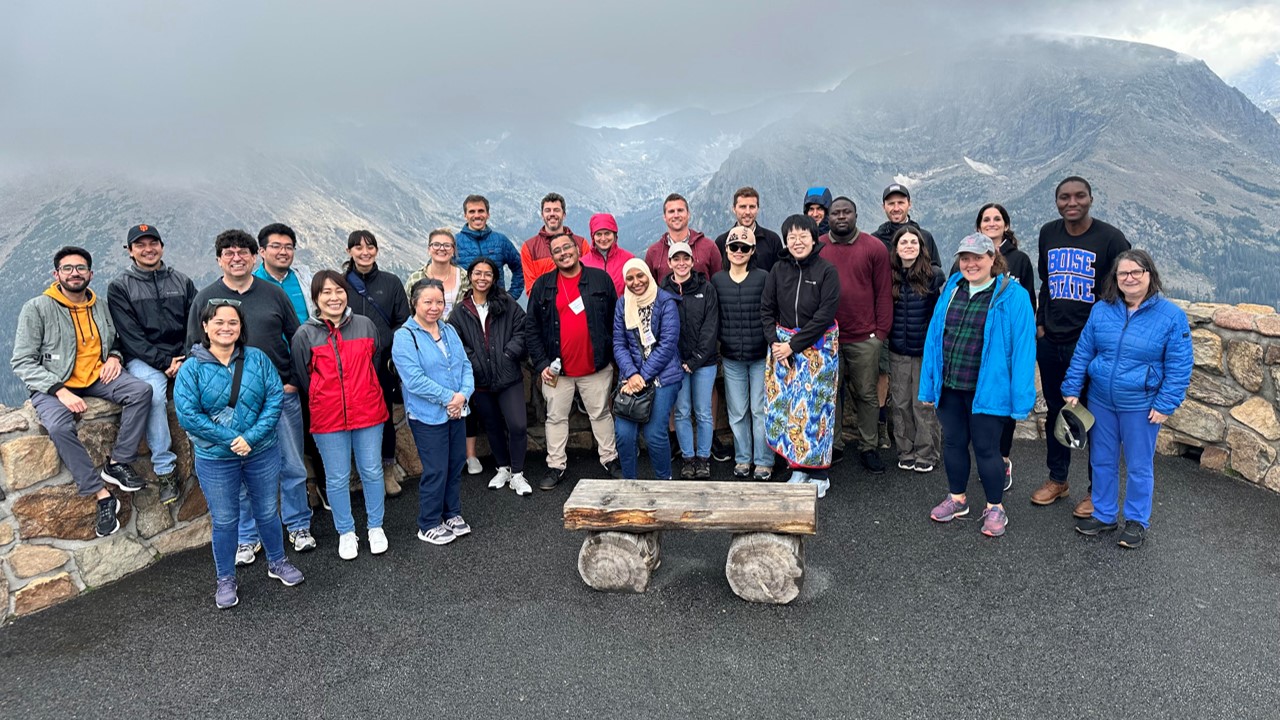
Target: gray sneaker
{"points": [[458, 526], [246, 553], [302, 540], [438, 535], [285, 572], [225, 596]]}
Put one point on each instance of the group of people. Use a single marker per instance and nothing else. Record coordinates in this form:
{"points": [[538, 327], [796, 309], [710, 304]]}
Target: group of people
{"points": [[272, 364]]}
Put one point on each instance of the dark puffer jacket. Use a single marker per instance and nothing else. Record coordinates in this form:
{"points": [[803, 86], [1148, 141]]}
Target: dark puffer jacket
{"points": [[496, 347], [801, 294], [699, 319], [911, 314], [740, 337]]}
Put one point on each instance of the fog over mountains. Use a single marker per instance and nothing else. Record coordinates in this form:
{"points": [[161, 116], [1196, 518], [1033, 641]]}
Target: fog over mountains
{"points": [[1186, 165]]}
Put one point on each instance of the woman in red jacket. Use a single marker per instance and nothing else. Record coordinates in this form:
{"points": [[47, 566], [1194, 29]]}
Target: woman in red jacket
{"points": [[336, 355]]}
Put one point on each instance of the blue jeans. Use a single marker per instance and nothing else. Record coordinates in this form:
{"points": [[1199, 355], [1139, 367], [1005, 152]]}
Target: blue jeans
{"points": [[335, 451], [294, 510], [744, 403], [655, 436], [223, 482], [1134, 435], [695, 395], [163, 460], [443, 450]]}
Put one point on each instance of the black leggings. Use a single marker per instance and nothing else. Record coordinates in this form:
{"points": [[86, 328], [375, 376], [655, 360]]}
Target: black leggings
{"points": [[1006, 437], [390, 383], [503, 416], [962, 427]]}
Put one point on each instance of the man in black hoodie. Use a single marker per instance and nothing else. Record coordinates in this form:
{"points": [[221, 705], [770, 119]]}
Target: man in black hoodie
{"points": [[746, 206]]}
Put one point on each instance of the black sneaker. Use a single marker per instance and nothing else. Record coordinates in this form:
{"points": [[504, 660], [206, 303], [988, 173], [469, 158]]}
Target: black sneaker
{"points": [[551, 479], [719, 451], [614, 468], [1133, 534], [168, 488], [688, 468], [1092, 526], [107, 523], [122, 476], [702, 468], [872, 462]]}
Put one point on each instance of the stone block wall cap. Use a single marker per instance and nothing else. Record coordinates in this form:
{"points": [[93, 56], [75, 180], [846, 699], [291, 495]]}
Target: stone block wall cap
{"points": [[1231, 318], [1257, 309]]}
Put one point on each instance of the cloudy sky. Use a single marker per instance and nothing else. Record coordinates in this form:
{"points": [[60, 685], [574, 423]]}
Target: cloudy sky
{"points": [[82, 78]]}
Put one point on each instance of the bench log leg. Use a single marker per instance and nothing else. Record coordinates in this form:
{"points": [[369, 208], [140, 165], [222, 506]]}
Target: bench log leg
{"points": [[766, 567], [619, 561]]}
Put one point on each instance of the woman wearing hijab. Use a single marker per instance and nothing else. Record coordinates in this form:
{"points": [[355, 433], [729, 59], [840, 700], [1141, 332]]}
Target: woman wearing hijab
{"points": [[646, 346], [798, 311]]}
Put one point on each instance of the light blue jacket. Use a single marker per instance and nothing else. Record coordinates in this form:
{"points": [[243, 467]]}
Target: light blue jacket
{"points": [[1006, 377], [1134, 362], [202, 389], [430, 377]]}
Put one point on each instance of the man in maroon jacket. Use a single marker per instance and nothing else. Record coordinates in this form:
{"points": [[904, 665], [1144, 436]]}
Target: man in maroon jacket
{"points": [[865, 315], [706, 256]]}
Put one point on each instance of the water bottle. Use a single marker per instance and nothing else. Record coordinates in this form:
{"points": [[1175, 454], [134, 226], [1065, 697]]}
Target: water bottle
{"points": [[556, 367]]}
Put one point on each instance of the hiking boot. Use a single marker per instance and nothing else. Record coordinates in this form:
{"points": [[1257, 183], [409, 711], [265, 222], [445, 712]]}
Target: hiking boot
{"points": [[285, 572], [501, 479], [702, 468], [107, 522], [519, 484], [763, 474], [246, 553], [1133, 535], [377, 541], [391, 477], [1050, 491], [548, 481], [883, 431], [122, 476], [438, 535], [1092, 526], [225, 596], [872, 462], [688, 468], [473, 466], [1008, 474], [302, 540], [948, 510], [1084, 508], [458, 526], [742, 471], [348, 546], [613, 468], [168, 484], [719, 451], [994, 521]]}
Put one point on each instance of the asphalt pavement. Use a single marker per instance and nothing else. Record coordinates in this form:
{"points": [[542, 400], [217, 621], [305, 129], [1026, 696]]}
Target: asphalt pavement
{"points": [[900, 618]]}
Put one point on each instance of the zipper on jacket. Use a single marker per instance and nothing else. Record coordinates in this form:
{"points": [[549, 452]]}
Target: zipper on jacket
{"points": [[1120, 348], [334, 337], [799, 282]]}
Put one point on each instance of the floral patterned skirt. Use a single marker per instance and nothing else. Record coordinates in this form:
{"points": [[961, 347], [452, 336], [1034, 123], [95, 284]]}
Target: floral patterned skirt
{"points": [[800, 401]]}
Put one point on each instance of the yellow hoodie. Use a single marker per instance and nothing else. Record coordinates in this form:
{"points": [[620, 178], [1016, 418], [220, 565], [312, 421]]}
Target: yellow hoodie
{"points": [[88, 338]]}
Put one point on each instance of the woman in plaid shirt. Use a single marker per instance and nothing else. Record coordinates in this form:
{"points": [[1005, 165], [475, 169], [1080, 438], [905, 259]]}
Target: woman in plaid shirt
{"points": [[979, 368]]}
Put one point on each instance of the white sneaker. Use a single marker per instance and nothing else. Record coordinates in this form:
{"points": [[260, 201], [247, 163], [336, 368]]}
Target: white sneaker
{"points": [[501, 479], [246, 554], [520, 485], [823, 486], [798, 477], [348, 546], [474, 467], [377, 541]]}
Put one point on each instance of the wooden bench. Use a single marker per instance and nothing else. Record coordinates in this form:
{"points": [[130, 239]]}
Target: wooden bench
{"points": [[624, 518]]}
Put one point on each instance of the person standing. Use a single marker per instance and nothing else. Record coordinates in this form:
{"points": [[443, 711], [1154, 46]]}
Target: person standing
{"points": [[699, 312], [865, 317], [675, 213], [442, 266], [746, 208], [605, 253], [1075, 252], [916, 285], [798, 313], [535, 253], [336, 354], [739, 290], [65, 349], [438, 383], [978, 369], [817, 200], [1136, 350], [149, 304], [568, 332], [228, 399], [269, 320], [478, 240]]}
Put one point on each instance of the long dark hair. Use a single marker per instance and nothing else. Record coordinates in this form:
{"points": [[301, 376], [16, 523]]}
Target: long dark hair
{"points": [[358, 237], [496, 291], [1008, 224], [1142, 258], [920, 275]]}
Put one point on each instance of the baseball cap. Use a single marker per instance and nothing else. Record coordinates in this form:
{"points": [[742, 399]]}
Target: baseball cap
{"points": [[741, 234], [977, 243], [679, 247], [1072, 427], [602, 221], [138, 232], [895, 189]]}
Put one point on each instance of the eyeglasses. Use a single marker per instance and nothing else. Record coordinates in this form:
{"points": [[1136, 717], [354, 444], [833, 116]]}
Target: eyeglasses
{"points": [[68, 269], [738, 247], [440, 246], [218, 302], [237, 252], [279, 246], [1135, 274]]}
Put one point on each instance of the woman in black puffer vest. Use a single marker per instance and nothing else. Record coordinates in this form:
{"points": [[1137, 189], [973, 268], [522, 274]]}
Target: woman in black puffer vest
{"points": [[491, 326], [916, 284]]}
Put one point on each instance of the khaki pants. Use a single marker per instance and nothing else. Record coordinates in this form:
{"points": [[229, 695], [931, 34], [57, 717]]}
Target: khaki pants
{"points": [[596, 390], [859, 372], [916, 432]]}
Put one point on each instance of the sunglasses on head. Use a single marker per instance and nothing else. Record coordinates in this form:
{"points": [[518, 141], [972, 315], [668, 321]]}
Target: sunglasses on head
{"points": [[218, 302]]}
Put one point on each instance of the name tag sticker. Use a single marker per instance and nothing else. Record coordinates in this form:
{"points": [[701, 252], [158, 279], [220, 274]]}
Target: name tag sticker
{"points": [[647, 338], [577, 306]]}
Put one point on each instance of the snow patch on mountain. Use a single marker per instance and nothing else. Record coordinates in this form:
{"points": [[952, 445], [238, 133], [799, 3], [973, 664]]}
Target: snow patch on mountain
{"points": [[980, 167]]}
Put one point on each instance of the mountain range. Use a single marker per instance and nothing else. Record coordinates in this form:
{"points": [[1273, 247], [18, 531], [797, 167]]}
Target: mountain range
{"points": [[1186, 165]]}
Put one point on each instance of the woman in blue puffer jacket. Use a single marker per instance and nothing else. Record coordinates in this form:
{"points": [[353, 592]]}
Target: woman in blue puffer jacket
{"points": [[646, 346], [1136, 351], [235, 439]]}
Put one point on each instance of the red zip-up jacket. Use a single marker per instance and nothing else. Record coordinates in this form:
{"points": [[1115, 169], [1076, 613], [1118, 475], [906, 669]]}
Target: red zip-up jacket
{"points": [[335, 365]]}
